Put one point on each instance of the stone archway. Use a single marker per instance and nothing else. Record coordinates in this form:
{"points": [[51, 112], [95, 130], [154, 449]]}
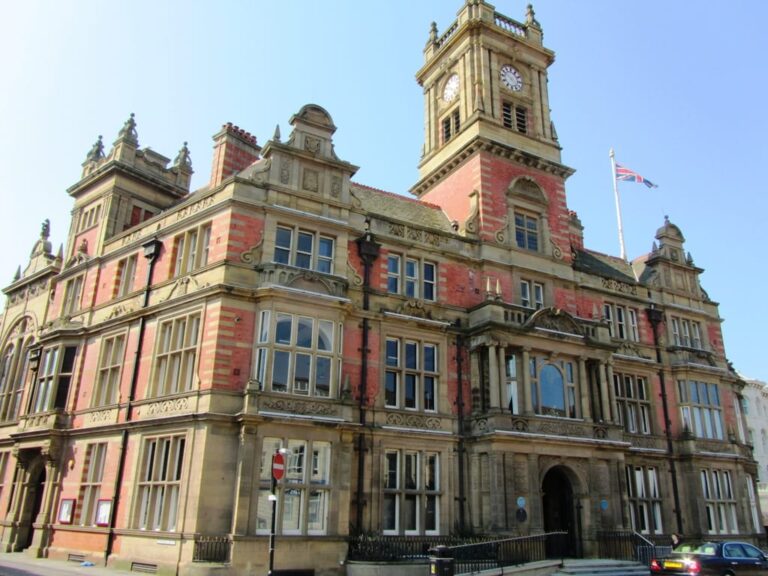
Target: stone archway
{"points": [[31, 504], [560, 510]]}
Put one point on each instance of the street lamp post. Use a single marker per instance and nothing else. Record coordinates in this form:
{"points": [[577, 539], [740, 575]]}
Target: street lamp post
{"points": [[278, 469]]}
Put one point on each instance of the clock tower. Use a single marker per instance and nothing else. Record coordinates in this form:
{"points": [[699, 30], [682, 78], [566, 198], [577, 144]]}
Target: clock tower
{"points": [[491, 158]]}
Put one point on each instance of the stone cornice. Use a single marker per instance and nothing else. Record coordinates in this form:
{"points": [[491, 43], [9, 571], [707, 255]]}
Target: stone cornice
{"points": [[497, 149]]}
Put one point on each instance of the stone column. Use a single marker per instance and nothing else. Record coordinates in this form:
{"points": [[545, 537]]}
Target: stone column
{"points": [[244, 486], [611, 390], [503, 392], [525, 376], [605, 400], [534, 490], [586, 409], [493, 376]]}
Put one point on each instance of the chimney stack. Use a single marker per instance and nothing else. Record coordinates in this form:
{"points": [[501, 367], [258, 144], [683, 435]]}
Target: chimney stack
{"points": [[233, 150]]}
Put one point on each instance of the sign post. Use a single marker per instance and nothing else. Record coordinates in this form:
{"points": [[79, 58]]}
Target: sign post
{"points": [[278, 470]]}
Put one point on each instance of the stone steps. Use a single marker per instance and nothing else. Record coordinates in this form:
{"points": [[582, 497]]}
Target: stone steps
{"points": [[602, 568]]}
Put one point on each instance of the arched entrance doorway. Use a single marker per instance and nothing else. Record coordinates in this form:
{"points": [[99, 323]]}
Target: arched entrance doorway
{"points": [[559, 509], [32, 504]]}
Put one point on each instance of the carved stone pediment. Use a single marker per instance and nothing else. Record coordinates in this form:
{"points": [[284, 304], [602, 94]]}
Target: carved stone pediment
{"points": [[301, 279], [556, 321]]}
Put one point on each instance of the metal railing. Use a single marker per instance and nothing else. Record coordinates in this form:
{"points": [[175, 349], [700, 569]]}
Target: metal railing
{"points": [[628, 545], [508, 552], [470, 553], [211, 549]]}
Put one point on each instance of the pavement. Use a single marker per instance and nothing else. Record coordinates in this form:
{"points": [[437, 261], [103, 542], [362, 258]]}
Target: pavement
{"points": [[21, 564]]}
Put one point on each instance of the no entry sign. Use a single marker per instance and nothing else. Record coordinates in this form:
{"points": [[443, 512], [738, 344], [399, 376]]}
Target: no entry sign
{"points": [[278, 466]]}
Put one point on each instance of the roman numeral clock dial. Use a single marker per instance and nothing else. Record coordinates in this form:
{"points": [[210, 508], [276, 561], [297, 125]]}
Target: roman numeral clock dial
{"points": [[511, 78]]}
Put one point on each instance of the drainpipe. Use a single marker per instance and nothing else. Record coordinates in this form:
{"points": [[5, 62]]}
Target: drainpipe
{"points": [[151, 252], [368, 250], [460, 423], [656, 317]]}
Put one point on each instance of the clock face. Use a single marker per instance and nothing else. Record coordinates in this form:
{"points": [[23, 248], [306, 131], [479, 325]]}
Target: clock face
{"points": [[451, 89], [511, 78]]}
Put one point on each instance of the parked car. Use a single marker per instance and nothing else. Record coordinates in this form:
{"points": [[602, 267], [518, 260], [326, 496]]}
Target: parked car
{"points": [[712, 559]]}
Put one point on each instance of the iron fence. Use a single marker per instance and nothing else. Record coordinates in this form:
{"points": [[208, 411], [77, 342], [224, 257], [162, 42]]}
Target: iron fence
{"points": [[211, 549]]}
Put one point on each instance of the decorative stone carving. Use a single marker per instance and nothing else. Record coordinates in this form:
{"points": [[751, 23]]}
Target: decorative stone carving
{"points": [[336, 186], [293, 406], [253, 254], [413, 421], [170, 406], [415, 308], [286, 165], [557, 252], [357, 280], [397, 229], [616, 286], [312, 144], [311, 180], [557, 321]]}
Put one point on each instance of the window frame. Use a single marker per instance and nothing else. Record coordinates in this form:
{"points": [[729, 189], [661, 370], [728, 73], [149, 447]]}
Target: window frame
{"points": [[633, 405], [420, 284], [156, 505], [191, 250], [90, 484], [287, 348], [701, 415], [296, 254], [411, 374], [406, 486], [644, 499], [171, 345], [109, 370], [73, 294], [308, 477], [526, 237], [54, 378], [126, 275]]}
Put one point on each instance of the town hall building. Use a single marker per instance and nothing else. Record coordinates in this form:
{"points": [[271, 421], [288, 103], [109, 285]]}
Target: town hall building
{"points": [[451, 362]]}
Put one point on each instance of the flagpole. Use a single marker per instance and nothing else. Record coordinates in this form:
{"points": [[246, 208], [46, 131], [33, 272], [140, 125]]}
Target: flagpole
{"points": [[618, 205]]}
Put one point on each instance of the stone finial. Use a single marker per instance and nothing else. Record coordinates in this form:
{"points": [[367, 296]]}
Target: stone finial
{"points": [[530, 17], [96, 152], [17, 276], [433, 32], [183, 159], [45, 230], [276, 135], [128, 131], [689, 259], [654, 248]]}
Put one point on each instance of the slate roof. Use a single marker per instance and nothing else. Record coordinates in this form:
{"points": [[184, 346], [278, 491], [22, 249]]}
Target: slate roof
{"points": [[604, 265], [397, 207]]}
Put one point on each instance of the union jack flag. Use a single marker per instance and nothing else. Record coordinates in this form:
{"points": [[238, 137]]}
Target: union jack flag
{"points": [[623, 173]]}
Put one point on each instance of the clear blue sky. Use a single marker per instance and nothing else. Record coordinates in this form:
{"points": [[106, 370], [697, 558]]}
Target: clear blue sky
{"points": [[677, 88]]}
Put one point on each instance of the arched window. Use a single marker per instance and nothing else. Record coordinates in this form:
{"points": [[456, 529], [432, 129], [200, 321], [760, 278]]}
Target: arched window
{"points": [[553, 388], [13, 370]]}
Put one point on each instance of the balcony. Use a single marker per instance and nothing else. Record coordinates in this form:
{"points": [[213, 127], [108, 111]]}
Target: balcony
{"points": [[54, 420], [565, 428]]}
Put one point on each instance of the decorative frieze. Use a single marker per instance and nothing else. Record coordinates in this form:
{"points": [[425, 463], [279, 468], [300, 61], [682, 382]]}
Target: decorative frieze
{"points": [[413, 421]]}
